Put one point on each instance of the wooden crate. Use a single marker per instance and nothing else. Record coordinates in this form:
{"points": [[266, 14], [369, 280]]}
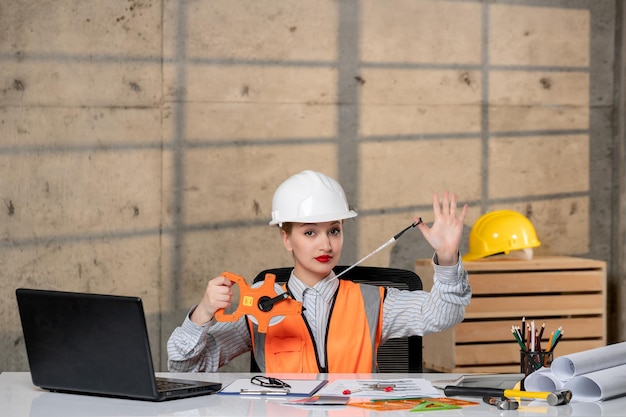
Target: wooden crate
{"points": [[562, 291]]}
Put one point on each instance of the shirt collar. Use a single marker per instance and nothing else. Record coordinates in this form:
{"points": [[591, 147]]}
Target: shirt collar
{"points": [[326, 287]]}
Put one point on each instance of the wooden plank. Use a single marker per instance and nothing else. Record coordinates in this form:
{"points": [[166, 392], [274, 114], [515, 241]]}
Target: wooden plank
{"points": [[485, 369], [491, 369], [545, 305], [537, 282], [535, 264], [509, 353], [500, 330]]}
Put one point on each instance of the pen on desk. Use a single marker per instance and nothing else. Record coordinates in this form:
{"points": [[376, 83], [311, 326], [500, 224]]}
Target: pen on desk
{"points": [[263, 391]]}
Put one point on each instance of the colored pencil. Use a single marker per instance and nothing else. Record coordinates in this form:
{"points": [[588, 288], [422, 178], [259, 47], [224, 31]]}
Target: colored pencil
{"points": [[558, 339], [517, 338], [550, 341], [543, 327]]}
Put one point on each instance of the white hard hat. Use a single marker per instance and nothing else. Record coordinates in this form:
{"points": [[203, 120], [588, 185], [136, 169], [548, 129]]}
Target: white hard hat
{"points": [[309, 197]]}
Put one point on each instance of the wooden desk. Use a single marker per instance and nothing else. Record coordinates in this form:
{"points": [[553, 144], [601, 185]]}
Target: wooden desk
{"points": [[19, 398]]}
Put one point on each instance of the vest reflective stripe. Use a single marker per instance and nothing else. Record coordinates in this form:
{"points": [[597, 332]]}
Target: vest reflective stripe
{"points": [[373, 297], [354, 333]]}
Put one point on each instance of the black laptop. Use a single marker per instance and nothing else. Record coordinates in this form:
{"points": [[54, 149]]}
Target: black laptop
{"points": [[95, 344]]}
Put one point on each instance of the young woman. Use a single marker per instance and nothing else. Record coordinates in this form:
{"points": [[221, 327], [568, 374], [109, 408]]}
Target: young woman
{"points": [[342, 323]]}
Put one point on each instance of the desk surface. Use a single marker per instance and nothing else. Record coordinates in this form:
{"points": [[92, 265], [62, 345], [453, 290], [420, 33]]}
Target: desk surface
{"points": [[19, 398]]}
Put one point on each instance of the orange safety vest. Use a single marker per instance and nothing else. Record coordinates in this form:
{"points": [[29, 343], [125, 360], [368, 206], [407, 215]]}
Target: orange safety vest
{"points": [[353, 336]]}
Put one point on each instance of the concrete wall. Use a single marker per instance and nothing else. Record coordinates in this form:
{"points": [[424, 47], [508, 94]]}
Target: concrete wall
{"points": [[141, 141]]}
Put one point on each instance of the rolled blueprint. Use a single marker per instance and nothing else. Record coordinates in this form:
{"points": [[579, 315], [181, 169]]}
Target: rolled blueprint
{"points": [[568, 366]]}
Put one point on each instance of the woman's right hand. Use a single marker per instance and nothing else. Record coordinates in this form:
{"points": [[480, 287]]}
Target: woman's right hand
{"points": [[218, 294]]}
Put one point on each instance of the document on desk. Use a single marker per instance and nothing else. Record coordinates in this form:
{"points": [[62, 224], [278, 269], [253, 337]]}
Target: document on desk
{"points": [[381, 388], [297, 387], [320, 400]]}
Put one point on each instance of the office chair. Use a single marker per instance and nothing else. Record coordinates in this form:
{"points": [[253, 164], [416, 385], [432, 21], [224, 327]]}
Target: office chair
{"points": [[395, 355]]}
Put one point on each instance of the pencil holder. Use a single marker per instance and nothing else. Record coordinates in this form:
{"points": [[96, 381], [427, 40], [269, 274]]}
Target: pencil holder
{"points": [[532, 361]]}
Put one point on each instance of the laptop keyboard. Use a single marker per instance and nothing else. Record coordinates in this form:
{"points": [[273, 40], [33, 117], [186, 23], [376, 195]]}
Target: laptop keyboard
{"points": [[165, 385]]}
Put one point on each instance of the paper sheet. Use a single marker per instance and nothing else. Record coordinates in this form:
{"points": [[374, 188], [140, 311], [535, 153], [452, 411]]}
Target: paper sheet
{"points": [[320, 400], [374, 388]]}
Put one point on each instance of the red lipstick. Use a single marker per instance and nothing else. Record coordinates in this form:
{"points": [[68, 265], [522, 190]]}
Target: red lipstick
{"points": [[324, 258]]}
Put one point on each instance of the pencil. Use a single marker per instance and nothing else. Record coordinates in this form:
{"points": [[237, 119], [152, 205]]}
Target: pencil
{"points": [[538, 341], [543, 327], [557, 332], [517, 338], [519, 334], [558, 339], [550, 341]]}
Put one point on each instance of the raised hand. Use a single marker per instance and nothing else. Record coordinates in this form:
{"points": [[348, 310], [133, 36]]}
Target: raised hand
{"points": [[447, 229]]}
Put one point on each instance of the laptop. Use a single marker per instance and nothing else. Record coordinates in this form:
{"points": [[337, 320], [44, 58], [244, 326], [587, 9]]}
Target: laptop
{"points": [[95, 344]]}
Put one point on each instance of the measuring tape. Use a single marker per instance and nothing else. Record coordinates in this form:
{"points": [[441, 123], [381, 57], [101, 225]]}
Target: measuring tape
{"points": [[264, 304]]}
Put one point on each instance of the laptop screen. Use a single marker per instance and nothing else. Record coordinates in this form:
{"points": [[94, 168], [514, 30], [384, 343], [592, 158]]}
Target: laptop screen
{"points": [[87, 343]]}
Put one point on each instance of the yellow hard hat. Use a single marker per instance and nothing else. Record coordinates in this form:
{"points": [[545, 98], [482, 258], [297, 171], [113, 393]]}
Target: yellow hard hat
{"points": [[500, 231]]}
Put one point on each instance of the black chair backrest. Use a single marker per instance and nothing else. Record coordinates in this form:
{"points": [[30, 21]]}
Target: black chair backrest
{"points": [[396, 355]]}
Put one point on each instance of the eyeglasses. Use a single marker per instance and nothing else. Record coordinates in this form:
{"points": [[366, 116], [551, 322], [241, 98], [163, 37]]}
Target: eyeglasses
{"points": [[269, 382]]}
